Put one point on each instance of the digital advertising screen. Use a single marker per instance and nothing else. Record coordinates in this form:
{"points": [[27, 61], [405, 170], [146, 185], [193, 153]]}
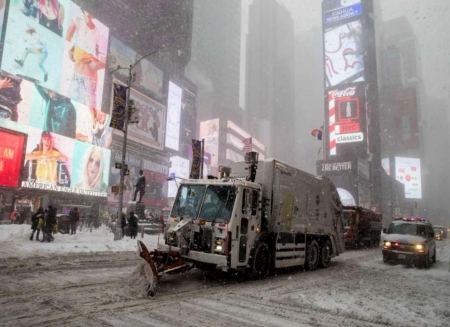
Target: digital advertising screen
{"points": [[180, 169], [47, 110], [66, 54], [173, 117], [408, 172], [209, 130], [57, 163], [344, 54], [337, 10], [347, 120], [11, 157], [148, 77], [2, 15]]}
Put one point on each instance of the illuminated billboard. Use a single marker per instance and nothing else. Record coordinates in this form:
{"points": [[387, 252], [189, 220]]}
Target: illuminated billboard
{"points": [[408, 172], [173, 117], [337, 10], [57, 163], [344, 54], [209, 130], [11, 157], [347, 120], [148, 77], [180, 169], [66, 54]]}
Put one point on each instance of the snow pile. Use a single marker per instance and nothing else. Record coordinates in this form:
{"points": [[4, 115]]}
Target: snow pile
{"points": [[137, 285], [15, 242]]}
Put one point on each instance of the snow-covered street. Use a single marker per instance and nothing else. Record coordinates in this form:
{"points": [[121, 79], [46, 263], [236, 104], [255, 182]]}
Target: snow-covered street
{"points": [[90, 280]]}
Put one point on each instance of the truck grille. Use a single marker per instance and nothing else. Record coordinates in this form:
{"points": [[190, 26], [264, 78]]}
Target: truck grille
{"points": [[202, 241], [403, 247]]}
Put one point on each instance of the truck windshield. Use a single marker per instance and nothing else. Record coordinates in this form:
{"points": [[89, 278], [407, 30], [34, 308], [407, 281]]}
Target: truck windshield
{"points": [[218, 204], [188, 200], [407, 229]]}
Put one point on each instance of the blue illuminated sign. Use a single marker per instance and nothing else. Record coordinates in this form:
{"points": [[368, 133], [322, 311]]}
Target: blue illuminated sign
{"points": [[342, 13]]}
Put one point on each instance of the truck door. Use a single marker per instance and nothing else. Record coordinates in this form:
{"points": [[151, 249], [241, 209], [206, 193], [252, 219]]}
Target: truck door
{"points": [[248, 223]]}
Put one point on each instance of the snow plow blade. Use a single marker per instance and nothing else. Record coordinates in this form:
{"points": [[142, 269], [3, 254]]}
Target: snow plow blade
{"points": [[160, 263]]}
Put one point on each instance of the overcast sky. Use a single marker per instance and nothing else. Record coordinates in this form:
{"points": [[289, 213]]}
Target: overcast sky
{"points": [[429, 19]]}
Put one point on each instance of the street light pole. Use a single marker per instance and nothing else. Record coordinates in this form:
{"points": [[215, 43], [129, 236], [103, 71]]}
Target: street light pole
{"points": [[118, 235]]}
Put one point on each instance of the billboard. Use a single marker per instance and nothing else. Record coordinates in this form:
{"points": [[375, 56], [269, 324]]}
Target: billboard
{"points": [[408, 172], [337, 10], [148, 77], [173, 117], [179, 169], [11, 157], [344, 54], [209, 131], [57, 163], [47, 110], [66, 54], [347, 120]]}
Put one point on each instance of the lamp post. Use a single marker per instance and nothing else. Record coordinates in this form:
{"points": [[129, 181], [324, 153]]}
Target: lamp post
{"points": [[118, 234]]}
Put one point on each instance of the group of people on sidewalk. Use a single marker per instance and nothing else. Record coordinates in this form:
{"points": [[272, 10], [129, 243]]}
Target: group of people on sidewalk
{"points": [[131, 223], [44, 220]]}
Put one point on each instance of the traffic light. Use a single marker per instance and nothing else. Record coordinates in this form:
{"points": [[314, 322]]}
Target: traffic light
{"points": [[115, 189]]}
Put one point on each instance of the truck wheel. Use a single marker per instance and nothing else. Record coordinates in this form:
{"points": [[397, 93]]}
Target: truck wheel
{"points": [[325, 254], [261, 263], [312, 256]]}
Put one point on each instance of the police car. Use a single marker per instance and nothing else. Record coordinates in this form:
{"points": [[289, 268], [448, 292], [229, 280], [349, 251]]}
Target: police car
{"points": [[410, 241]]}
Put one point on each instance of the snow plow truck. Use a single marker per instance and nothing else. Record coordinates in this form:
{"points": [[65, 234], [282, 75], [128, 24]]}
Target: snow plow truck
{"points": [[257, 216]]}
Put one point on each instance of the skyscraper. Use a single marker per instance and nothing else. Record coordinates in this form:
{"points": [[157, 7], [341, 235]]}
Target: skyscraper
{"points": [[270, 78]]}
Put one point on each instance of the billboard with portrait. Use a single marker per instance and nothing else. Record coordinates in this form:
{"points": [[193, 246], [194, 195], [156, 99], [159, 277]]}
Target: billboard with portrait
{"points": [[54, 162], [408, 172], [47, 110], [152, 116], [209, 130], [173, 117], [344, 54], [337, 10], [66, 54], [11, 157], [148, 77], [347, 120]]}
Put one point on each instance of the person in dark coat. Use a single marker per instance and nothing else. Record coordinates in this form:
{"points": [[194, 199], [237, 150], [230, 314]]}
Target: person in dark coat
{"points": [[50, 221], [35, 225], [74, 217], [123, 223], [132, 220]]}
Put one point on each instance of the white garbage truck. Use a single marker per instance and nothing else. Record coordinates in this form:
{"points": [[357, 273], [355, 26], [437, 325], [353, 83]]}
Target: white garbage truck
{"points": [[255, 217]]}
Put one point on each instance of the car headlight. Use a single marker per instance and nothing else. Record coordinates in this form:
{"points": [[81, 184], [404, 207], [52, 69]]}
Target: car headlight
{"points": [[387, 245], [419, 247]]}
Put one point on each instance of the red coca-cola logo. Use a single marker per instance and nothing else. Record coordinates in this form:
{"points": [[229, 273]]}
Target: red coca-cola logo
{"points": [[350, 91]]}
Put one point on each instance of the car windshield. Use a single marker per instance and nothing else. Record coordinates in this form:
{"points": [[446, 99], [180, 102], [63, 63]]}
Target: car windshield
{"points": [[407, 229], [218, 203]]}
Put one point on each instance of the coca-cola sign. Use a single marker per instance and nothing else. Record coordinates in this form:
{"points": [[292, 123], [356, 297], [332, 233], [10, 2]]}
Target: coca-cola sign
{"points": [[348, 92]]}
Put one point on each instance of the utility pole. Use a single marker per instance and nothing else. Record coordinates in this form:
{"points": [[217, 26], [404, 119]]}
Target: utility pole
{"points": [[118, 234]]}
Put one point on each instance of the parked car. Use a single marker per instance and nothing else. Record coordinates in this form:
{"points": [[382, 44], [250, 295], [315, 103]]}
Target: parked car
{"points": [[410, 241]]}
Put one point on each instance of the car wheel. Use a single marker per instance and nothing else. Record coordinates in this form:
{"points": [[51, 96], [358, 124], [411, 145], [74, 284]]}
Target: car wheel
{"points": [[425, 264], [312, 256], [434, 256], [325, 254]]}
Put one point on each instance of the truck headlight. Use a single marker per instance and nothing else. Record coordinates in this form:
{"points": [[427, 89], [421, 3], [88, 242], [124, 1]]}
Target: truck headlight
{"points": [[219, 246], [387, 245], [419, 248]]}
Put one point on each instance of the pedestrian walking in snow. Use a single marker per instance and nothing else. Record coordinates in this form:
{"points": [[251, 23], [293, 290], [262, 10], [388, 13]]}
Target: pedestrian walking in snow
{"points": [[132, 220], [37, 221], [50, 221], [74, 217], [123, 223]]}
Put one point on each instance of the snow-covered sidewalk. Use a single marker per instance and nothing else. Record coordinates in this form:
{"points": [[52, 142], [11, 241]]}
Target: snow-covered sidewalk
{"points": [[15, 242]]}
